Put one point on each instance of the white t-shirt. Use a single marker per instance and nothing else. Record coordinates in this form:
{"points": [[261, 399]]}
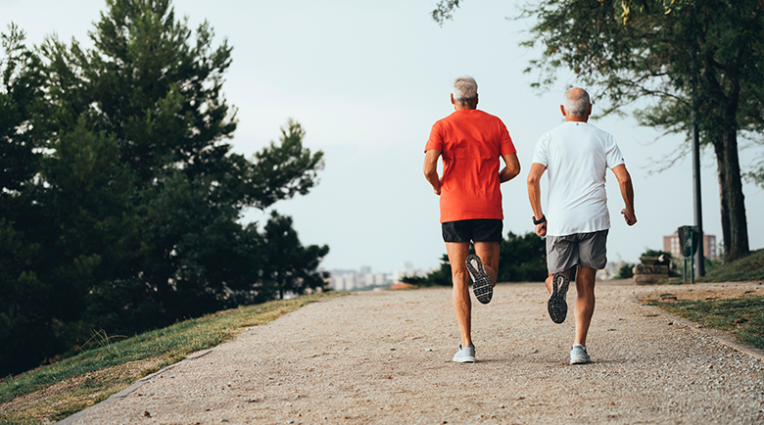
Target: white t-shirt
{"points": [[577, 156]]}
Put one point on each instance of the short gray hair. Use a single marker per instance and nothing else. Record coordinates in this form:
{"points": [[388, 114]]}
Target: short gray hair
{"points": [[576, 102], [465, 90]]}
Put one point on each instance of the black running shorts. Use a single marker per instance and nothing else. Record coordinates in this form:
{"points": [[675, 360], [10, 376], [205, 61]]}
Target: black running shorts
{"points": [[480, 230]]}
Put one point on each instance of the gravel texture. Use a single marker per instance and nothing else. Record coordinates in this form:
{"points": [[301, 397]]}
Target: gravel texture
{"points": [[385, 357]]}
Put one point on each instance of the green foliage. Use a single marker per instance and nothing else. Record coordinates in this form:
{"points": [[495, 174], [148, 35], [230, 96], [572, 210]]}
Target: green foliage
{"points": [[721, 314], [702, 55], [625, 272], [521, 259], [445, 10], [121, 197], [288, 265], [651, 255]]}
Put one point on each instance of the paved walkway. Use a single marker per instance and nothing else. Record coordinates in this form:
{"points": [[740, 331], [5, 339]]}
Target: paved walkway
{"points": [[385, 357]]}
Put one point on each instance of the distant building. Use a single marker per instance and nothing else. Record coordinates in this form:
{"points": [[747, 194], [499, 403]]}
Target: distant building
{"points": [[379, 279], [671, 244], [350, 282]]}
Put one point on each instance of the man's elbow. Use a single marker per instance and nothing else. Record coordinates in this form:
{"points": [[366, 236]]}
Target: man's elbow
{"points": [[515, 171], [533, 180]]}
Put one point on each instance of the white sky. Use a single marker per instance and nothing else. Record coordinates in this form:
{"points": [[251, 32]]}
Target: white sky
{"points": [[367, 79]]}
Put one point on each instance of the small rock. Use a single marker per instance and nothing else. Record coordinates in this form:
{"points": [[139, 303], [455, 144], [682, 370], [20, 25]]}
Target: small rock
{"points": [[710, 366], [288, 404], [612, 403], [698, 326], [224, 420], [290, 422], [670, 323], [146, 414], [428, 349]]}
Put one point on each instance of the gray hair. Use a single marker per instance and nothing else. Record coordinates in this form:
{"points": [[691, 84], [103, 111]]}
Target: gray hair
{"points": [[465, 90], [576, 102]]}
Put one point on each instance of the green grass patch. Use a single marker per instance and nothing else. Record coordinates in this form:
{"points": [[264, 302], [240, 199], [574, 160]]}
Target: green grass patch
{"points": [[748, 268], [743, 316], [59, 390]]}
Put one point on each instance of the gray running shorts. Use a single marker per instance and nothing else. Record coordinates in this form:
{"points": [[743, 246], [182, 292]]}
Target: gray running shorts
{"points": [[583, 249]]}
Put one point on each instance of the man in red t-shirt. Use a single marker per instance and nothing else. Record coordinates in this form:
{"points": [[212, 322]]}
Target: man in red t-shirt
{"points": [[471, 143]]}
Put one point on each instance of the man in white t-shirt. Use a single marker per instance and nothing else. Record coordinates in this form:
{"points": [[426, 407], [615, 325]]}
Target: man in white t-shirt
{"points": [[576, 155]]}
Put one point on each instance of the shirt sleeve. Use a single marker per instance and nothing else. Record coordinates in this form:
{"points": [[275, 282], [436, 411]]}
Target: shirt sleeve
{"points": [[507, 147], [613, 154], [541, 153], [436, 138]]}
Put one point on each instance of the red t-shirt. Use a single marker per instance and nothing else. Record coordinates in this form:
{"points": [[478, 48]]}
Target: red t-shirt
{"points": [[471, 143]]}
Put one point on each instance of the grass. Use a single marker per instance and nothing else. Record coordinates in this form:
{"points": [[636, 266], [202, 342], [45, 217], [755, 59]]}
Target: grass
{"points": [[744, 316], [51, 393], [748, 268]]}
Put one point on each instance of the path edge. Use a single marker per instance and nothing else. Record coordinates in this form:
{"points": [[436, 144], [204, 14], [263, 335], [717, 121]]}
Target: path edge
{"points": [[129, 390], [719, 336]]}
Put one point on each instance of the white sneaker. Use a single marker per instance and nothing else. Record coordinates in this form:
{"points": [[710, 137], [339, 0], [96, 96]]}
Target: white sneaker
{"points": [[578, 355], [465, 355]]}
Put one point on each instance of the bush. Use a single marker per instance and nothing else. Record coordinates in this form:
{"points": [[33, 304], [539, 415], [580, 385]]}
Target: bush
{"points": [[521, 259], [625, 272]]}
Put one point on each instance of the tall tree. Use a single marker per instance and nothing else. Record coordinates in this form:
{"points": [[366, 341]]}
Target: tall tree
{"points": [[290, 266], [701, 54], [120, 194], [24, 297], [155, 87]]}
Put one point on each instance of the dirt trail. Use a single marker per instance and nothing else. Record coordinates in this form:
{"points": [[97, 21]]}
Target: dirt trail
{"points": [[385, 357]]}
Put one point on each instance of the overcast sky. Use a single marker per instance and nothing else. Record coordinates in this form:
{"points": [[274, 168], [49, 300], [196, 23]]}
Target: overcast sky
{"points": [[367, 79]]}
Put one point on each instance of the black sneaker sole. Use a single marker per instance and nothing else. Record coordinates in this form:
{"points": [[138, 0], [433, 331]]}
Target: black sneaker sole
{"points": [[557, 306], [482, 286]]}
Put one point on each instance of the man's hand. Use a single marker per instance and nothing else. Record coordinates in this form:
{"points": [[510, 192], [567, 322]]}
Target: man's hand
{"points": [[541, 229], [437, 191], [629, 216]]}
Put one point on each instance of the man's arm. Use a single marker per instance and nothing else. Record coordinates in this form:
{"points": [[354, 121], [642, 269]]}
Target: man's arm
{"points": [[534, 194], [511, 168], [431, 169], [627, 192]]}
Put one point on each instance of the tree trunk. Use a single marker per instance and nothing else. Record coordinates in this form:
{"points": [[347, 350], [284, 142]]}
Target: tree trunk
{"points": [[723, 201], [734, 224]]}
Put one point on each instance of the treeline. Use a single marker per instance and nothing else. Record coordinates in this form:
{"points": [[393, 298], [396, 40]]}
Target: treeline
{"points": [[119, 194], [521, 259]]}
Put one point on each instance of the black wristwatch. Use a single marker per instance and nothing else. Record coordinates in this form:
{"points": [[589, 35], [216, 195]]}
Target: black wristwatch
{"points": [[543, 219]]}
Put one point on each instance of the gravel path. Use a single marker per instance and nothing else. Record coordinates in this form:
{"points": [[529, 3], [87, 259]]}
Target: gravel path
{"points": [[385, 357]]}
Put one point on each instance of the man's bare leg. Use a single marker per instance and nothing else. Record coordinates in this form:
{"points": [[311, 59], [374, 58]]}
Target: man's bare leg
{"points": [[489, 256], [584, 302], [457, 254]]}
